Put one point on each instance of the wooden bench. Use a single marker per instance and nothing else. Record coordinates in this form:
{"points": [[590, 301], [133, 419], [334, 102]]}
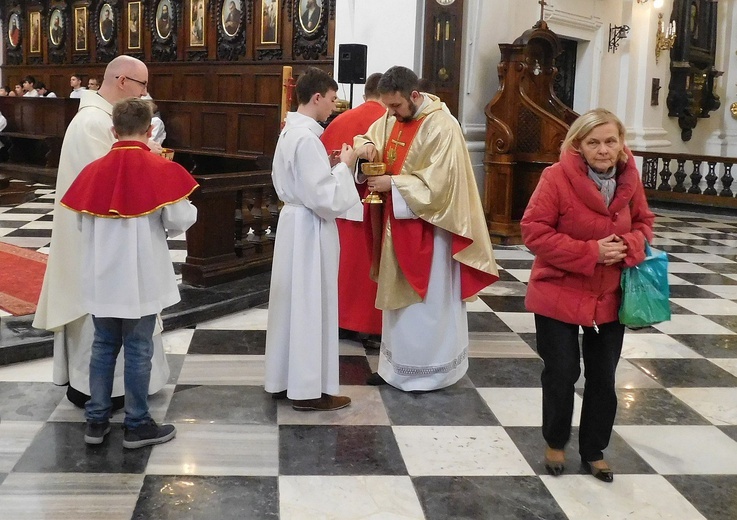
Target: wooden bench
{"points": [[32, 139]]}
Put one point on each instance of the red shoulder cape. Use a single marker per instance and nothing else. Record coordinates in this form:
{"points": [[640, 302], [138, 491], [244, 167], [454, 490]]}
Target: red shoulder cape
{"points": [[128, 182]]}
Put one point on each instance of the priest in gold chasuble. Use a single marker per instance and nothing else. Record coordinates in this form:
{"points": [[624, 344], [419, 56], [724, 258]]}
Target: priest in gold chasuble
{"points": [[436, 253]]}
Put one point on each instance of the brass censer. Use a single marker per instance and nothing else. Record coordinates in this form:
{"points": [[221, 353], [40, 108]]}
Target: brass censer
{"points": [[373, 169]]}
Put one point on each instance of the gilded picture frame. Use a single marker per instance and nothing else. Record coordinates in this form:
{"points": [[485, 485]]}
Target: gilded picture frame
{"points": [[80, 28], [231, 17], [107, 22], [134, 25], [34, 19], [14, 31], [197, 23], [310, 15], [56, 27], [269, 32]]}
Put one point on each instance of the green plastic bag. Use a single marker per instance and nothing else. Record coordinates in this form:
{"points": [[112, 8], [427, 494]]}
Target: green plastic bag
{"points": [[645, 291]]}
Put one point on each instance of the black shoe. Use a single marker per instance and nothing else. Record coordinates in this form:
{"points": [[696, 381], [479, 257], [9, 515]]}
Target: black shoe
{"points": [[351, 335], [279, 395], [95, 433], [375, 380], [371, 341], [148, 434], [605, 475]]}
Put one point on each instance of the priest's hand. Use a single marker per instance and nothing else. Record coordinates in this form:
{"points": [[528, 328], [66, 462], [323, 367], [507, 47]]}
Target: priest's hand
{"points": [[380, 183], [348, 156], [155, 147], [368, 152]]}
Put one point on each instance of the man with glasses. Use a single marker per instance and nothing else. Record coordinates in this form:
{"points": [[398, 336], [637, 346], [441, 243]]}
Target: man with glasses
{"points": [[88, 137]]}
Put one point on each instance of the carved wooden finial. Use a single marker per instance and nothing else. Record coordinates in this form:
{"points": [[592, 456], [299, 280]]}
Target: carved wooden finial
{"points": [[542, 8]]}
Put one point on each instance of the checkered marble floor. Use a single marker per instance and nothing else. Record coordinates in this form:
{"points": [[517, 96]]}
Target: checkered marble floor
{"points": [[472, 451]]}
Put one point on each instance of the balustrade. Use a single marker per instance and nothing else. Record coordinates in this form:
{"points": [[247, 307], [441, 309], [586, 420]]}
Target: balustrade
{"points": [[708, 183]]}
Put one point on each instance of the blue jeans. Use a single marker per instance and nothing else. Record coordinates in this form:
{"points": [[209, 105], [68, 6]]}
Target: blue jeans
{"points": [[136, 338]]}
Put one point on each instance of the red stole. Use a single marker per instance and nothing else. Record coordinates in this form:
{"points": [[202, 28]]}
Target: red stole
{"points": [[413, 238]]}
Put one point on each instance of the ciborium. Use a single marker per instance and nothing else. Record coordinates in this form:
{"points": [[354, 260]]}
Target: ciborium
{"points": [[167, 153], [373, 169]]}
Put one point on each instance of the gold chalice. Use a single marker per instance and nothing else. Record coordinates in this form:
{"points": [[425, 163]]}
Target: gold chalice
{"points": [[372, 169], [167, 153]]}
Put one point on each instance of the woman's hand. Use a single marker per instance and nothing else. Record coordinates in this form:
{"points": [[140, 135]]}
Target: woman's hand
{"points": [[611, 250]]}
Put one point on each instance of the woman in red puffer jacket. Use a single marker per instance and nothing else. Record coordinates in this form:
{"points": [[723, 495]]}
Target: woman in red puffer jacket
{"points": [[587, 219]]}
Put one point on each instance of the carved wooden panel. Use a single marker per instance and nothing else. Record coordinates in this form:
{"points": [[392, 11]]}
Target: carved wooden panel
{"points": [[691, 93], [238, 130], [267, 88], [194, 85], [229, 87]]}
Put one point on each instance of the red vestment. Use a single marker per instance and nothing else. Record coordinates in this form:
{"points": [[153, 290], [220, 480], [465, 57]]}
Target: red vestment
{"points": [[356, 291], [128, 182]]}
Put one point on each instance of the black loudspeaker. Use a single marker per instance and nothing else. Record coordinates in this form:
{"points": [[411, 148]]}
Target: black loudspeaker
{"points": [[352, 63]]}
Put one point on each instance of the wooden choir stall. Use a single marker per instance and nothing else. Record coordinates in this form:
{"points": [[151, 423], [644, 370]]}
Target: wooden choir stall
{"points": [[525, 126]]}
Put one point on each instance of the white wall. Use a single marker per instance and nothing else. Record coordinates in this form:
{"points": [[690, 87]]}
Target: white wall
{"points": [[388, 27], [619, 81]]}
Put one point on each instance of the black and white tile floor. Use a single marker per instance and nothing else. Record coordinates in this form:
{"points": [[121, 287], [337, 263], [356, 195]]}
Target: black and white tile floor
{"points": [[473, 451]]}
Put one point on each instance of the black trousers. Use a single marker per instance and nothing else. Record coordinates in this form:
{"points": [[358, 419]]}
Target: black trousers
{"points": [[557, 344]]}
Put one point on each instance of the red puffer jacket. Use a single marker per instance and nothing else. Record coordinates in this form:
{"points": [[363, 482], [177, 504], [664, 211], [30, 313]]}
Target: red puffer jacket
{"points": [[561, 225]]}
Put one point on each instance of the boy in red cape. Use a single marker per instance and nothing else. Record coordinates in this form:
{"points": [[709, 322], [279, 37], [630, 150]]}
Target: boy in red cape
{"points": [[126, 201]]}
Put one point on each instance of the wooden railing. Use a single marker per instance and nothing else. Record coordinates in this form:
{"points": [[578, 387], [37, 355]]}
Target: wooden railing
{"points": [[702, 180], [235, 229]]}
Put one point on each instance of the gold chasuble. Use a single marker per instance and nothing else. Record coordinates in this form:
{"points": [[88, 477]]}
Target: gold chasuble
{"points": [[433, 173]]}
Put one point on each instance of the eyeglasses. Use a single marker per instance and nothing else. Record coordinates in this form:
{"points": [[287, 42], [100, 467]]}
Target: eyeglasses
{"points": [[144, 84]]}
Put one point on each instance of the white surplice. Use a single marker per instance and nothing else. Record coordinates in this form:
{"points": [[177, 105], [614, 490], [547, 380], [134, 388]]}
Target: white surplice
{"points": [[424, 346], [127, 260], [302, 329], [88, 137]]}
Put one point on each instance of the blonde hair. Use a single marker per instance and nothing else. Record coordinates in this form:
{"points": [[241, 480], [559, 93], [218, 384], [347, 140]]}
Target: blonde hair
{"points": [[583, 126]]}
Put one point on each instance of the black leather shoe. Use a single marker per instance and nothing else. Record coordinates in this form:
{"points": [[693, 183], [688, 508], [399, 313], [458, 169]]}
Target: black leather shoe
{"points": [[605, 475], [279, 395], [375, 380]]}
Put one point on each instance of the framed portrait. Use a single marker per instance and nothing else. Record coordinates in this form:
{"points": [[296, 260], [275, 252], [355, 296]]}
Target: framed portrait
{"points": [[310, 14], [164, 19], [197, 23], [34, 18], [107, 22], [230, 16], [80, 28], [56, 28], [270, 21], [134, 25], [14, 30]]}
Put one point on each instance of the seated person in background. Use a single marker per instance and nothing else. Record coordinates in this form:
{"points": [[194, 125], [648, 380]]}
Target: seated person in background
{"points": [[4, 91], [93, 84], [76, 83], [159, 131], [125, 202], [29, 87], [43, 91], [18, 90]]}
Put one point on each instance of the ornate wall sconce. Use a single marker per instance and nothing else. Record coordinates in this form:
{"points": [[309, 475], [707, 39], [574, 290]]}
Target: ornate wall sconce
{"points": [[616, 33], [665, 37]]}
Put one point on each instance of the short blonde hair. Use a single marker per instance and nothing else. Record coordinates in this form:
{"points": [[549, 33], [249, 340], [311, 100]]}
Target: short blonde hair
{"points": [[583, 126]]}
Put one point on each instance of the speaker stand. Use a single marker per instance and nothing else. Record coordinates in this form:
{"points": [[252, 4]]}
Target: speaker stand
{"points": [[350, 101]]}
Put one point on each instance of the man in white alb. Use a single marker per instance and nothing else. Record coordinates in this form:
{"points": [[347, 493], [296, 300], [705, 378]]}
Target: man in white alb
{"points": [[88, 137], [76, 83]]}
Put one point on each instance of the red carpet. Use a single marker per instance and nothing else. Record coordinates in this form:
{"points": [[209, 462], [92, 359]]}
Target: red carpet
{"points": [[21, 276]]}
